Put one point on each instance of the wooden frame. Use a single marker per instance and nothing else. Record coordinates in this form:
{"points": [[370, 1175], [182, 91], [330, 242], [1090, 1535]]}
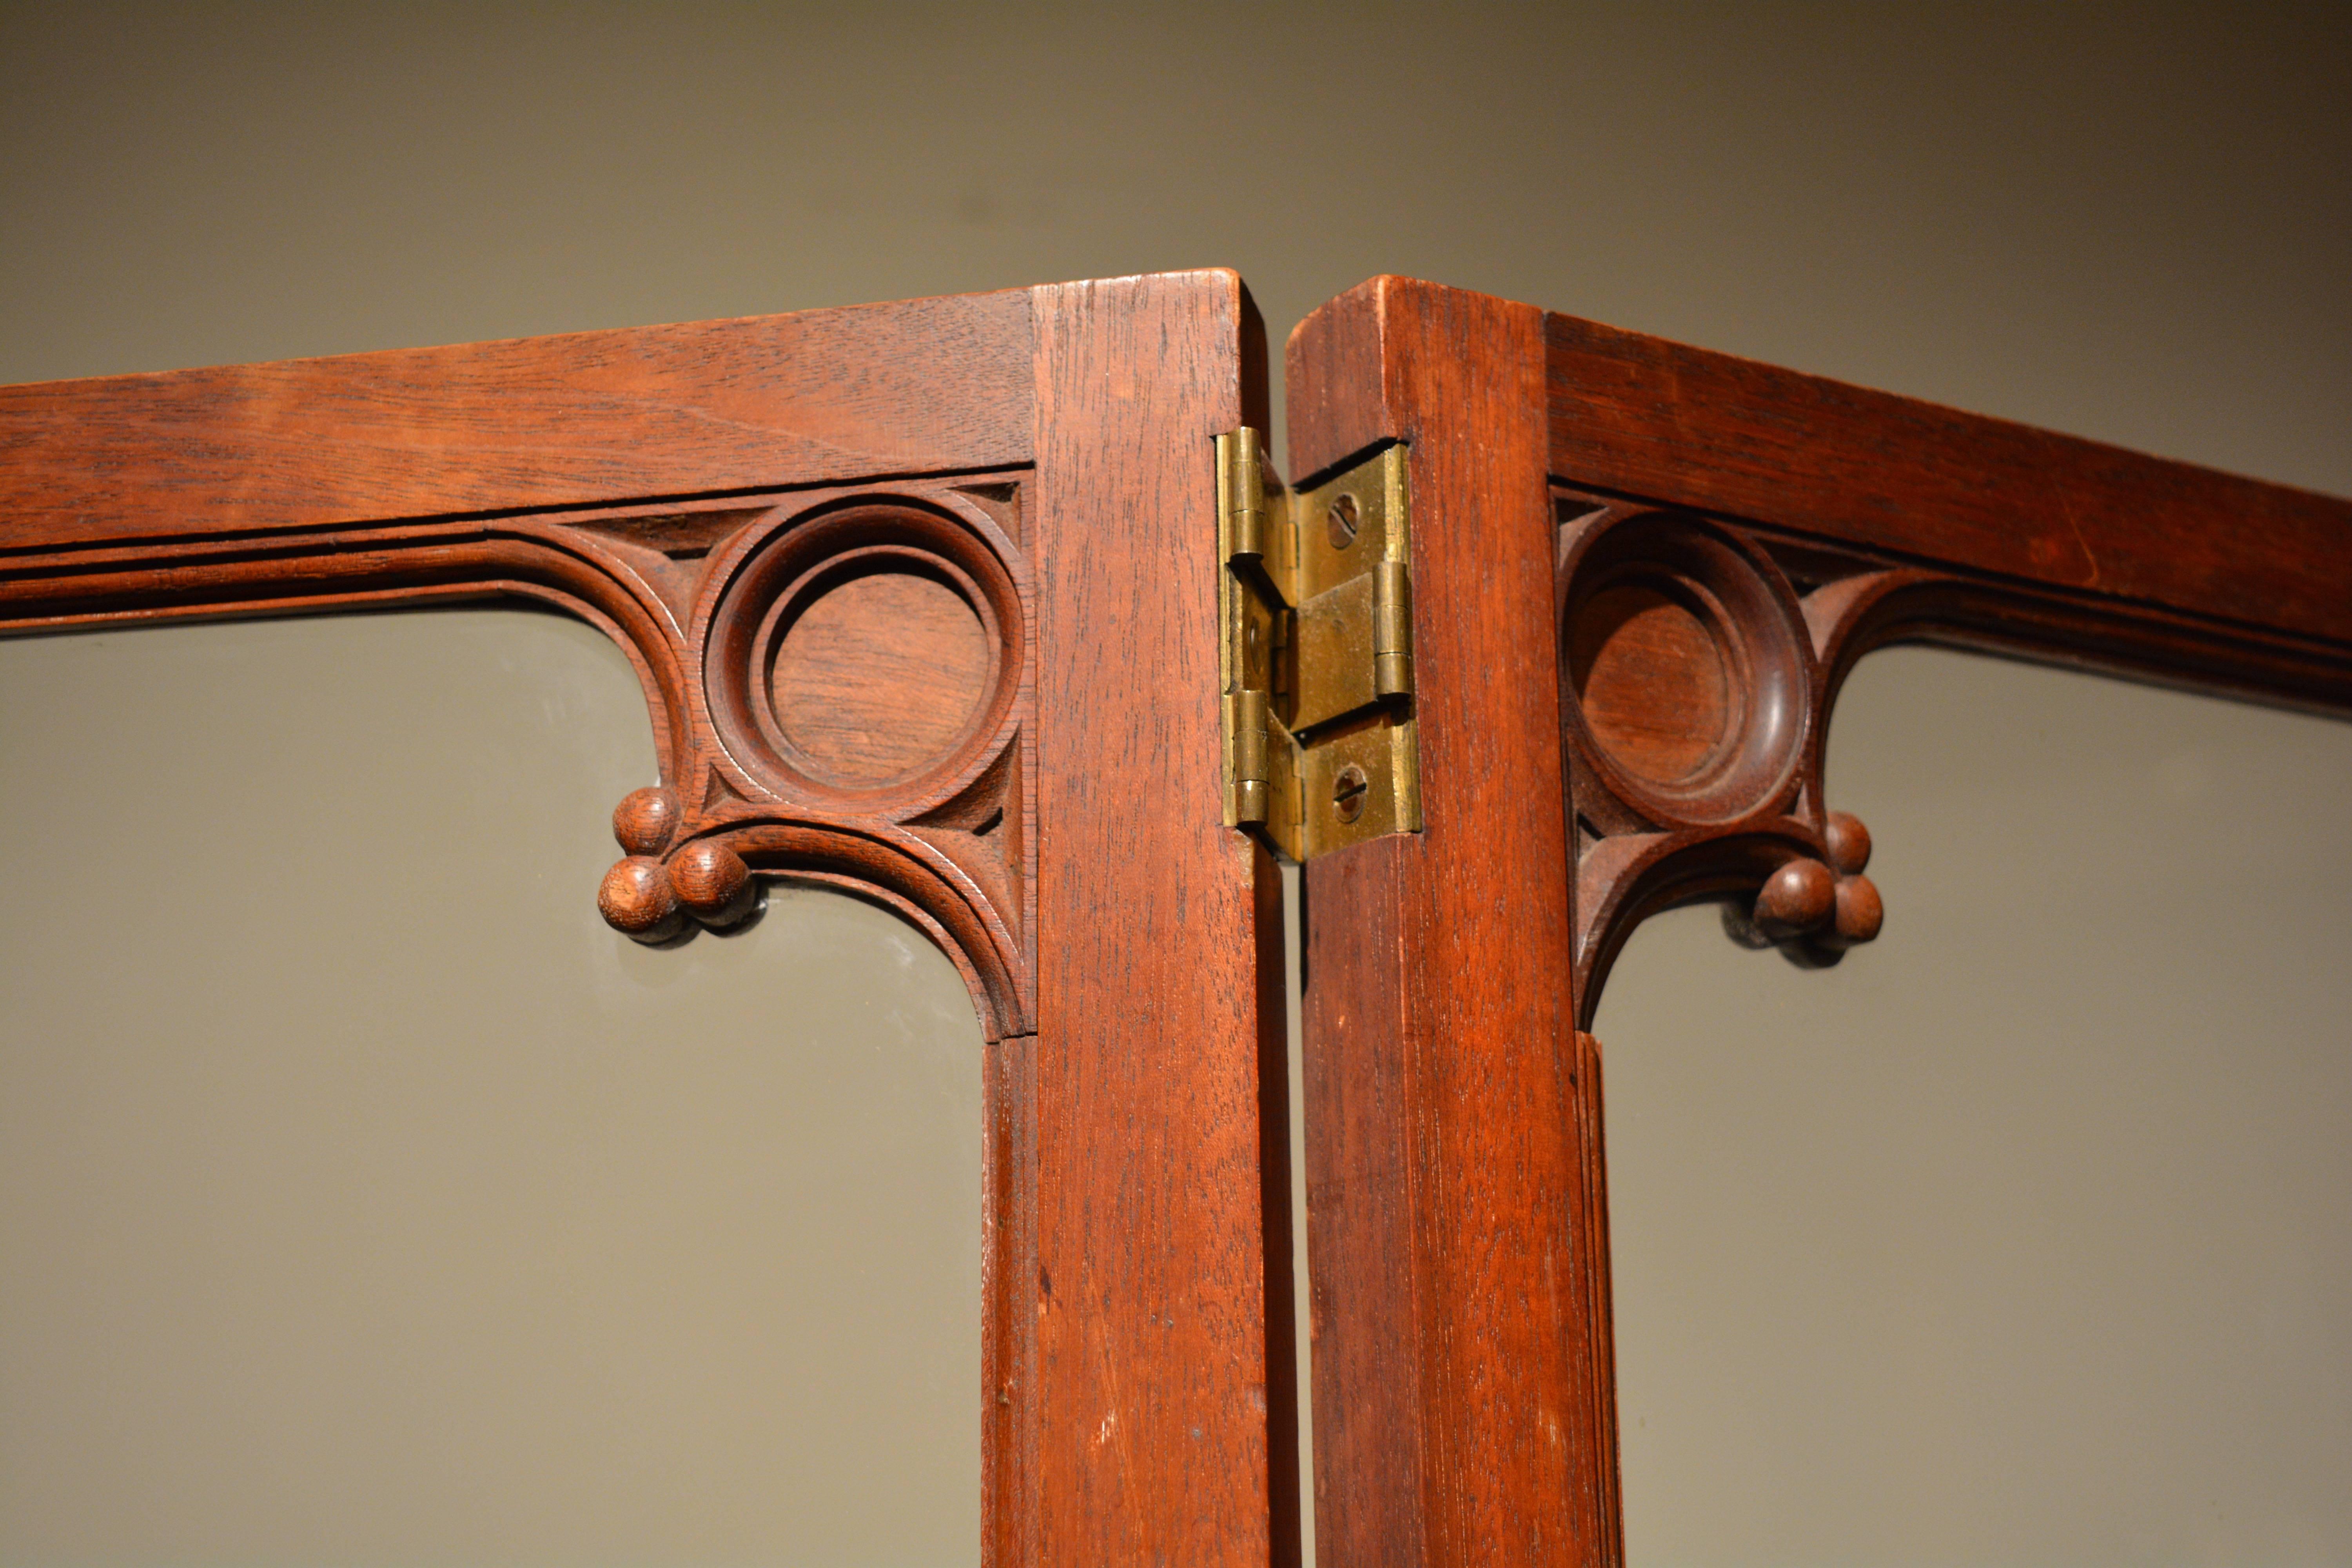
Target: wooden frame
{"points": [[1036, 786], [1640, 574]]}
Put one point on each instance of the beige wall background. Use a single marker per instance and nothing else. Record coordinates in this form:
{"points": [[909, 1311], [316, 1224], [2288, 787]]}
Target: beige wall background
{"points": [[362, 1198]]}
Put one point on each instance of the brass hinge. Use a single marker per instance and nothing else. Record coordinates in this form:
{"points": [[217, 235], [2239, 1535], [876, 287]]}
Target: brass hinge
{"points": [[1314, 651]]}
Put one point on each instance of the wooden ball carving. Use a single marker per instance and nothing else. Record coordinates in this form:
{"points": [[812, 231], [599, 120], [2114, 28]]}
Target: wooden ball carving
{"points": [[1800, 895], [712, 881], [636, 898], [645, 820], [1859, 912], [1849, 843]]}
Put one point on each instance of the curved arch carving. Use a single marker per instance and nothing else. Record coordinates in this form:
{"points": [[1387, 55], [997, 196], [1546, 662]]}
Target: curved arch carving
{"points": [[1695, 693], [839, 683], [1700, 662]]}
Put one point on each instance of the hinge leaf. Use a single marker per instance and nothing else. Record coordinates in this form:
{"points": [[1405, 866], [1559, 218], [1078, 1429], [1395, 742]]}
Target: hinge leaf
{"points": [[1315, 613]]}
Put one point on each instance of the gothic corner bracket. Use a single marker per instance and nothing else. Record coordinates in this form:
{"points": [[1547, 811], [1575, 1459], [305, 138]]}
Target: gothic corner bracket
{"points": [[1697, 678], [839, 681], [857, 700]]}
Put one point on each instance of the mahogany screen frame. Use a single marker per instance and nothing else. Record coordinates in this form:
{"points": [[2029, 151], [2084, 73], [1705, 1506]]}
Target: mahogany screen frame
{"points": [[1641, 572], [1045, 455]]}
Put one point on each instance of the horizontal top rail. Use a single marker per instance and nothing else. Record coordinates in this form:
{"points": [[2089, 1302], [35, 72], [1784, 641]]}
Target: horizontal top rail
{"points": [[1718, 433], [571, 420]]}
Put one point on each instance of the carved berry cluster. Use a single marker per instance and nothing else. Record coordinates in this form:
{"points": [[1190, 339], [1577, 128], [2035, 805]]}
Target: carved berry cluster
{"points": [[653, 899], [1822, 908]]}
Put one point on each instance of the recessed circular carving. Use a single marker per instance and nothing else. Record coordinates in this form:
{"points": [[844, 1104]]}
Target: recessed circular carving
{"points": [[881, 671], [864, 650], [1689, 669], [1652, 682]]}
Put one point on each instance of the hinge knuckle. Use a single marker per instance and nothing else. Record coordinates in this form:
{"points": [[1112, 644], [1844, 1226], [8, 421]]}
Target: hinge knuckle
{"points": [[1392, 629], [1245, 766], [1241, 494]]}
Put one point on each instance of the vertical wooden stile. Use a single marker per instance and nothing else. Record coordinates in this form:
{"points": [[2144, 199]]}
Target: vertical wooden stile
{"points": [[1162, 1425], [1453, 1246]]}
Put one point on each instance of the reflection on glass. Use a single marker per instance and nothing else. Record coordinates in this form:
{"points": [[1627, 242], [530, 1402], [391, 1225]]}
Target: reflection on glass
{"points": [[363, 1198], [2026, 1235]]}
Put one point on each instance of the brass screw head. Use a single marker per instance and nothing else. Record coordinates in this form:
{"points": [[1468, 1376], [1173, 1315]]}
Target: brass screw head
{"points": [[1348, 792], [1342, 519]]}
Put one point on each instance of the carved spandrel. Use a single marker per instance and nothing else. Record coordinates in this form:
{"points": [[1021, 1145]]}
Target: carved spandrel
{"points": [[856, 671], [1693, 691], [1700, 659], [838, 680]]}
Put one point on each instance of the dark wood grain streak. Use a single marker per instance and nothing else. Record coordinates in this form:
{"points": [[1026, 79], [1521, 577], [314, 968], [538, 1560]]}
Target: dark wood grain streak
{"points": [[1451, 1231], [694, 409], [1683, 427], [1154, 1394]]}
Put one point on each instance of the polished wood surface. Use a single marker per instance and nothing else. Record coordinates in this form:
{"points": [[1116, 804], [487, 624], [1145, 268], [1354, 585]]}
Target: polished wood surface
{"points": [[1766, 530], [1160, 965], [1717, 433], [1722, 541], [897, 582], [1461, 1407], [1734, 537], [567, 421], [906, 588]]}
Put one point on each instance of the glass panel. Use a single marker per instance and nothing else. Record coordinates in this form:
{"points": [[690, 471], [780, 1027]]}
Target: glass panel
{"points": [[2024, 1235], [364, 1199]]}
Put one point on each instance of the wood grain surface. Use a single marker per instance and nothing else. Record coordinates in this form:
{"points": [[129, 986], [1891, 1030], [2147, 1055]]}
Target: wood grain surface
{"points": [[694, 409], [1461, 1410], [1771, 529], [879, 672], [923, 600], [1163, 1417], [1685, 427], [1642, 572]]}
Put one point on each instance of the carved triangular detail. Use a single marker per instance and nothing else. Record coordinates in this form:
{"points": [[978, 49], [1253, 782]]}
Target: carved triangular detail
{"points": [[1001, 502], [718, 794], [668, 549], [982, 830], [680, 535]]}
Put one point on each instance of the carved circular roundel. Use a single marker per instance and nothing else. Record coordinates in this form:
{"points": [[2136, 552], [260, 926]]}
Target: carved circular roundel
{"points": [[1687, 659], [865, 651], [844, 688], [1692, 700]]}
